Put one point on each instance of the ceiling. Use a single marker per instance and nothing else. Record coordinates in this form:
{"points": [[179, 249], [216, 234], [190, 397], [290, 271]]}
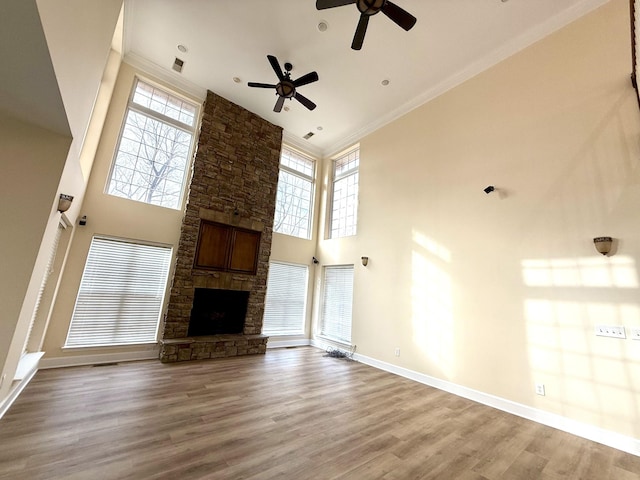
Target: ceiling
{"points": [[451, 41]]}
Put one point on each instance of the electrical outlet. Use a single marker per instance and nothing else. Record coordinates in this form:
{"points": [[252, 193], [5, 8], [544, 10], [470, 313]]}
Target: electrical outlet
{"points": [[610, 331], [540, 389], [397, 351], [635, 333]]}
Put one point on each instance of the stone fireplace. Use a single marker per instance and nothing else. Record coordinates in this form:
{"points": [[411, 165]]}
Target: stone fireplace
{"points": [[231, 203]]}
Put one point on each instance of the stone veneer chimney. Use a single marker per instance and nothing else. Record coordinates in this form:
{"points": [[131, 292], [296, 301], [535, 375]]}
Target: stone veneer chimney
{"points": [[235, 177]]}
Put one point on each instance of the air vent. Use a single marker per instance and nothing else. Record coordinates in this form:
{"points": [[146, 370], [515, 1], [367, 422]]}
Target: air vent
{"points": [[177, 65], [308, 135]]}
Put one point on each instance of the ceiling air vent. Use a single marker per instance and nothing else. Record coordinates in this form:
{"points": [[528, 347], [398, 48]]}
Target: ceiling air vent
{"points": [[308, 135], [177, 65]]}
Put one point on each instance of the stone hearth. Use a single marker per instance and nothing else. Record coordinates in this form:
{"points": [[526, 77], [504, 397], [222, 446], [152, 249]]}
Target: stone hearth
{"points": [[235, 177]]}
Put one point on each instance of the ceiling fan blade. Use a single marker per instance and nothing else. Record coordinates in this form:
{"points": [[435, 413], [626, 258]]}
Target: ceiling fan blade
{"points": [[305, 101], [261, 85], [358, 38], [276, 66], [279, 104], [400, 16], [323, 4], [306, 79]]}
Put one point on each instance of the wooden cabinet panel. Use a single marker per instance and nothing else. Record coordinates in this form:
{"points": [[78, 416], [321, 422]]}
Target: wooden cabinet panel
{"points": [[244, 251], [213, 246], [227, 248]]}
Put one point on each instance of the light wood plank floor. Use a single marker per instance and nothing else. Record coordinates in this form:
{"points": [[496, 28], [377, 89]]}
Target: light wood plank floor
{"points": [[290, 414]]}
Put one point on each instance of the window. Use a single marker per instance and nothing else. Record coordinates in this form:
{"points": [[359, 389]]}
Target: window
{"points": [[294, 196], [121, 294], [344, 211], [286, 301], [154, 148], [337, 299]]}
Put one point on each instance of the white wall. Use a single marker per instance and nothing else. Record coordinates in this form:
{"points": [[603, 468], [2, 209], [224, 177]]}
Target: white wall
{"points": [[497, 292]]}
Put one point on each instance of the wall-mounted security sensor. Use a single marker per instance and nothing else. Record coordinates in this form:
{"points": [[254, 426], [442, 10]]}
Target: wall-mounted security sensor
{"points": [[83, 220], [315, 261], [489, 189]]}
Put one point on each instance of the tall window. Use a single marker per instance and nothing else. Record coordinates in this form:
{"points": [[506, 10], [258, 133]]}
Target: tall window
{"points": [[294, 196], [344, 210], [286, 301], [154, 148], [121, 294], [337, 299]]}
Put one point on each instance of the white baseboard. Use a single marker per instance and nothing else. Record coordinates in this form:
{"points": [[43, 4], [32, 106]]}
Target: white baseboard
{"points": [[590, 432], [79, 360], [302, 342]]}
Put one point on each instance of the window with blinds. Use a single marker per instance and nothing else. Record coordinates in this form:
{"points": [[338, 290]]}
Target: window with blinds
{"points": [[121, 294], [337, 299], [286, 300]]}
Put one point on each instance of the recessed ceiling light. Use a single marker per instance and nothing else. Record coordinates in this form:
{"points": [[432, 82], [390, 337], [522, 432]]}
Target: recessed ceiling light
{"points": [[323, 26], [384, 82], [237, 79], [182, 48]]}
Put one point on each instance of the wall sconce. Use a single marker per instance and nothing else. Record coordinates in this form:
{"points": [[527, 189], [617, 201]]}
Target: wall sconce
{"points": [[365, 261], [64, 202], [603, 244]]}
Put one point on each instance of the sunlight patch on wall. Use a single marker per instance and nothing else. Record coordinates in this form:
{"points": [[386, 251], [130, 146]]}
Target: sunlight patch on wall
{"points": [[587, 377], [594, 271], [431, 302]]}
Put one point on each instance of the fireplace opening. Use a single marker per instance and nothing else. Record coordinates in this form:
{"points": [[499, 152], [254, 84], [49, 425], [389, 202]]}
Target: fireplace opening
{"points": [[217, 312]]}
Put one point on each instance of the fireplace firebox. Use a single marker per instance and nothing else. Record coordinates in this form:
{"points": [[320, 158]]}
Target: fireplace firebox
{"points": [[218, 312]]}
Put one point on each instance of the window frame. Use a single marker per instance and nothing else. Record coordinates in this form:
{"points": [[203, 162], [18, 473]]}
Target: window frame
{"points": [[157, 116], [335, 178], [309, 178]]}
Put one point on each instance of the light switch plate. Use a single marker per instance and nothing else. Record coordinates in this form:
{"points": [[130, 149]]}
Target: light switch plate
{"points": [[615, 331]]}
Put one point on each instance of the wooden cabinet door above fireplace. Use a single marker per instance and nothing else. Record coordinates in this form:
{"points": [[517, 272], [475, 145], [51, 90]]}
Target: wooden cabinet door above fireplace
{"points": [[227, 248]]}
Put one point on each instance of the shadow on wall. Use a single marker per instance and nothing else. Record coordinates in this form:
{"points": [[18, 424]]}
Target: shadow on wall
{"points": [[589, 378], [432, 303]]}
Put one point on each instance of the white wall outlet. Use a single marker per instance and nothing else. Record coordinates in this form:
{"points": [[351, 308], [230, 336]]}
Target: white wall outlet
{"points": [[635, 333], [397, 351], [610, 331], [540, 389]]}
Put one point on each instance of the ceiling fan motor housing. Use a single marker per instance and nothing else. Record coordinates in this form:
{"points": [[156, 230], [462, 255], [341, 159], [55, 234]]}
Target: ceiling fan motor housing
{"points": [[286, 89], [370, 7]]}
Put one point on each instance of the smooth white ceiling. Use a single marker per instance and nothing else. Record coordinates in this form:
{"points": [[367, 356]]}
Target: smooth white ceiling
{"points": [[451, 41]]}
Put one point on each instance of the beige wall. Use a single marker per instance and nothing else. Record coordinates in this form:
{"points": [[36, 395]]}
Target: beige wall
{"points": [[498, 292], [111, 216]]}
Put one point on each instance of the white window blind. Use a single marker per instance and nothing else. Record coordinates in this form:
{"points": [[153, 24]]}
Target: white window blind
{"points": [[286, 300], [43, 285], [121, 294], [337, 299]]}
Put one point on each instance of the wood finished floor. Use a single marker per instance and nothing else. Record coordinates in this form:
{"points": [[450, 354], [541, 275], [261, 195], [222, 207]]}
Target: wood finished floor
{"points": [[289, 414]]}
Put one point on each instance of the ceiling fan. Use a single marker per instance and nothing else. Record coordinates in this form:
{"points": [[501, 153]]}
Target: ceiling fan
{"points": [[368, 8], [286, 88]]}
